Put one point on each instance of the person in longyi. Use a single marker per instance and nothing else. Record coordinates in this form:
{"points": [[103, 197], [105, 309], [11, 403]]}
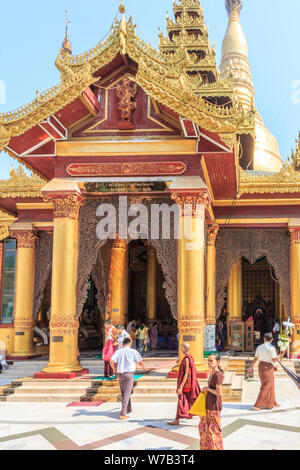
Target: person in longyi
{"points": [[126, 359], [267, 356], [188, 387], [210, 429]]}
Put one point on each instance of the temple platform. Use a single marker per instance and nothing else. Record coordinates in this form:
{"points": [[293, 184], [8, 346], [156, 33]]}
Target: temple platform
{"points": [[148, 388]]}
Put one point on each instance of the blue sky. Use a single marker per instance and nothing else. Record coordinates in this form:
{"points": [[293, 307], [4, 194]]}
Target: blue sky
{"points": [[32, 32]]}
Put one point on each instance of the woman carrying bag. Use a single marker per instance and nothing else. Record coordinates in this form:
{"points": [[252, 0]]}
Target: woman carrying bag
{"points": [[210, 425]]}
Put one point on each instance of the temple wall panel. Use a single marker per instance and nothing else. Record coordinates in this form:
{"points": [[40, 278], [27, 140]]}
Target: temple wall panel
{"points": [[253, 244]]}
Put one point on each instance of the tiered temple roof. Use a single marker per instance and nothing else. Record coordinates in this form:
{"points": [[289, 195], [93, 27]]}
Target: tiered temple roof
{"points": [[188, 38]]}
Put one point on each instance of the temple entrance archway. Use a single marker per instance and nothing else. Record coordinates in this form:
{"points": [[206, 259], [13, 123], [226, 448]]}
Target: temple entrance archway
{"points": [[146, 292], [253, 245]]}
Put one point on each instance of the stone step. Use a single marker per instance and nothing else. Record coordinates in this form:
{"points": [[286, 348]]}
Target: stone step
{"points": [[50, 391], [39, 398], [237, 383], [52, 383]]}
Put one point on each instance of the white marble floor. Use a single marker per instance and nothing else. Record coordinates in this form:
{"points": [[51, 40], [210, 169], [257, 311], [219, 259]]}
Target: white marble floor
{"points": [[46, 426]]}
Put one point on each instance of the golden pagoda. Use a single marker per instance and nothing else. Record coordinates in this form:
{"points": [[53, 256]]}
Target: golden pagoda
{"points": [[263, 154]]}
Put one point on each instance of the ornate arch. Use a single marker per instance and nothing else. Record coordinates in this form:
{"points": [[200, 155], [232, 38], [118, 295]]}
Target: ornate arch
{"points": [[253, 244], [90, 247]]}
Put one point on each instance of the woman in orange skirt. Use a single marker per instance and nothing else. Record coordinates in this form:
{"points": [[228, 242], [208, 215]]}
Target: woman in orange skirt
{"points": [[210, 426]]}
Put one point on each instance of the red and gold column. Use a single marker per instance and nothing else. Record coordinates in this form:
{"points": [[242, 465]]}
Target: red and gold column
{"points": [[234, 296], [151, 285], [191, 274], [24, 292], [118, 282], [210, 320], [295, 287], [63, 322]]}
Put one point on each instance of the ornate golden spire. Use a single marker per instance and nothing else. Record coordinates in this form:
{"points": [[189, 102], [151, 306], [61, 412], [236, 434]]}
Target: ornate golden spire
{"points": [[266, 156], [66, 45], [296, 154]]}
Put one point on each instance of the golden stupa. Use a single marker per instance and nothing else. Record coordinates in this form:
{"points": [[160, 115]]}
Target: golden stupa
{"points": [[235, 61]]}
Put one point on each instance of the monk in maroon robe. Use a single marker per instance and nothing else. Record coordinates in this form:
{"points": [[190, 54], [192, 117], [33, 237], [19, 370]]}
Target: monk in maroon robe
{"points": [[188, 388]]}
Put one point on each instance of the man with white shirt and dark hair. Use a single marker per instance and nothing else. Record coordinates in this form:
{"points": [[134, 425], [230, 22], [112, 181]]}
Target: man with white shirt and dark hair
{"points": [[267, 356], [126, 359], [122, 334]]}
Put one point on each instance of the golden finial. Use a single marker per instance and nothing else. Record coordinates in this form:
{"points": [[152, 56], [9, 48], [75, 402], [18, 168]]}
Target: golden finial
{"points": [[233, 6], [66, 46], [122, 8]]}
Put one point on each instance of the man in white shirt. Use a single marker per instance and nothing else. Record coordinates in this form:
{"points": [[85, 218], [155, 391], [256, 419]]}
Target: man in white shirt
{"points": [[126, 359], [267, 356], [122, 334]]}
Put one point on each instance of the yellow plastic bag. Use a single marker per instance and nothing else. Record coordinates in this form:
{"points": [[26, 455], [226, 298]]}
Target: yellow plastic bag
{"points": [[199, 407]]}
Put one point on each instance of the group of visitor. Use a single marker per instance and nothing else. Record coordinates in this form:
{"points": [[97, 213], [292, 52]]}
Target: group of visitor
{"points": [[143, 337], [124, 361]]}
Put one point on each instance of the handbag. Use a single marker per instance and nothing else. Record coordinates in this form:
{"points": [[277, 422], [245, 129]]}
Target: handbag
{"points": [[199, 407], [108, 351]]}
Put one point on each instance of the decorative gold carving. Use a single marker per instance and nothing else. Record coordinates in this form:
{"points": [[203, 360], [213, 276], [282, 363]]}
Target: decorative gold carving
{"points": [[192, 204], [65, 207], [212, 233], [191, 326], [25, 239], [4, 137], [121, 169], [296, 155], [63, 326], [20, 185], [6, 220], [294, 235], [120, 244], [23, 324], [285, 181], [159, 74], [126, 93]]}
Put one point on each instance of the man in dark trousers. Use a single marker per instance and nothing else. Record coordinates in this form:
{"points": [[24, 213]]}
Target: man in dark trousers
{"points": [[126, 359]]}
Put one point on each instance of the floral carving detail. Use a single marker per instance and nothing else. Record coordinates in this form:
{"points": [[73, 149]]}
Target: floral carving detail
{"points": [[190, 326], [294, 236], [66, 207], [25, 239], [212, 233], [126, 94], [192, 204], [64, 325], [23, 324]]}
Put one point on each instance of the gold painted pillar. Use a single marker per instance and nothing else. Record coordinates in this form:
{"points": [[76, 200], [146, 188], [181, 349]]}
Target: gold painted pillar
{"points": [[191, 273], [24, 292], [64, 323], [234, 296], [151, 285], [295, 287], [210, 320], [118, 282]]}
